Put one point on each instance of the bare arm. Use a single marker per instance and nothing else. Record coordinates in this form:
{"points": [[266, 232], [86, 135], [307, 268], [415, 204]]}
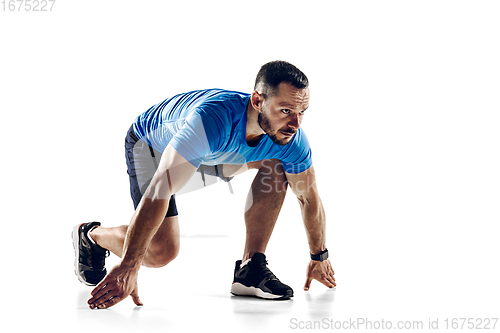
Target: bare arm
{"points": [[172, 174], [174, 171], [313, 214]]}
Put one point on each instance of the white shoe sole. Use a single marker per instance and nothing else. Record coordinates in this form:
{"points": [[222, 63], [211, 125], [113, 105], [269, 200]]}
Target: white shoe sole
{"points": [[241, 290]]}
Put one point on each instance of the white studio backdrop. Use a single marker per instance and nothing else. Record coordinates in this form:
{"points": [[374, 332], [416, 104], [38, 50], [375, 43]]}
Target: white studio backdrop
{"points": [[403, 122]]}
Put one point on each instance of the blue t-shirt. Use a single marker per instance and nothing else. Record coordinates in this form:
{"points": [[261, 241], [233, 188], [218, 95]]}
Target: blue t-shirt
{"points": [[209, 127]]}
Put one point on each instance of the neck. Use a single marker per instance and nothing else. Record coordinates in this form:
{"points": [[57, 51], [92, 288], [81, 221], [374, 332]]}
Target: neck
{"points": [[253, 131]]}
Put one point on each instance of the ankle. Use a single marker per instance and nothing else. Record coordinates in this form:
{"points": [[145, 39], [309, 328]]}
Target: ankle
{"points": [[249, 254], [92, 235]]}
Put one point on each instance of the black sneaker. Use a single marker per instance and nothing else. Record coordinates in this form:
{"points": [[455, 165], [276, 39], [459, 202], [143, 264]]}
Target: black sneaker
{"points": [[89, 257], [253, 278]]}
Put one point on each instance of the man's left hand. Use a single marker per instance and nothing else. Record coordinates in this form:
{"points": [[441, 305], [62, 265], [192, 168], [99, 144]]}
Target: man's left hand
{"points": [[321, 271]]}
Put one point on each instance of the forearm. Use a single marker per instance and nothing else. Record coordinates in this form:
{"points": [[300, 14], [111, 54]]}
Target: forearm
{"points": [[172, 173], [143, 226], [145, 223], [313, 215]]}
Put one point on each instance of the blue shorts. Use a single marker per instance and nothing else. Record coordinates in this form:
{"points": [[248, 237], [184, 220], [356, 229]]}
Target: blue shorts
{"points": [[142, 162]]}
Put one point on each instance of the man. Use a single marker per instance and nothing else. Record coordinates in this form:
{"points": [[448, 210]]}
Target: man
{"points": [[221, 133]]}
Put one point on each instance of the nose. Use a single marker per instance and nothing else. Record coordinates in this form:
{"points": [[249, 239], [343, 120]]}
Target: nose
{"points": [[294, 122]]}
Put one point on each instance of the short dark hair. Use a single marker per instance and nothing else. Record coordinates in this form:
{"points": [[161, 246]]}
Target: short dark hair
{"points": [[275, 72]]}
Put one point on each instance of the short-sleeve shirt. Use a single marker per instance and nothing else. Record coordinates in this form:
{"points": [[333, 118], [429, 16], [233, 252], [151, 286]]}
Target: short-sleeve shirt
{"points": [[209, 127]]}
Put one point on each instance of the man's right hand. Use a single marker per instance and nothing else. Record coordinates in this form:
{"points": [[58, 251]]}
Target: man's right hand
{"points": [[116, 286]]}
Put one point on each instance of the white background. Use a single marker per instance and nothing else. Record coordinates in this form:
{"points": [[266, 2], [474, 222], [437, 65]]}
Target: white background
{"points": [[403, 121]]}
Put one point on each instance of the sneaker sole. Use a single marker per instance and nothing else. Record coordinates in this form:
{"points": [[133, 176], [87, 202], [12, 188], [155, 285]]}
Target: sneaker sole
{"points": [[239, 289], [76, 245]]}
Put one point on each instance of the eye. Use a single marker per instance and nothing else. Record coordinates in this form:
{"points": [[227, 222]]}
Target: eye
{"points": [[302, 112], [285, 111]]}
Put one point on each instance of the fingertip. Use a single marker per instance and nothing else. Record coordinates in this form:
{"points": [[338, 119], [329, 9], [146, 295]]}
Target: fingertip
{"points": [[138, 302], [307, 285]]}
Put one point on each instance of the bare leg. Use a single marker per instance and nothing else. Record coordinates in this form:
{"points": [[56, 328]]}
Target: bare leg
{"points": [[163, 248], [264, 202]]}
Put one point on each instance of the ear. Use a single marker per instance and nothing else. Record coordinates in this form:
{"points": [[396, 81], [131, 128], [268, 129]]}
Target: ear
{"points": [[257, 100]]}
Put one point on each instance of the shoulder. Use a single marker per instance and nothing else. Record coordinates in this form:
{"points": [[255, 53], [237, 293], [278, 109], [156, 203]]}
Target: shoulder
{"points": [[220, 101], [223, 107], [207, 99], [300, 140], [297, 156]]}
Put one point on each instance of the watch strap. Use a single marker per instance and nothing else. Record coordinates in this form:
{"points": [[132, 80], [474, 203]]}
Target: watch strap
{"points": [[322, 256]]}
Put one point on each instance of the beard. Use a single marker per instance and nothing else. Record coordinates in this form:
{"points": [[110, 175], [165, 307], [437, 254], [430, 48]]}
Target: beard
{"points": [[266, 127]]}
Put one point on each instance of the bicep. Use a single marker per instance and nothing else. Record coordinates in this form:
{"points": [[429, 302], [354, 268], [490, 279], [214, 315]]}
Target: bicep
{"points": [[173, 172], [303, 184]]}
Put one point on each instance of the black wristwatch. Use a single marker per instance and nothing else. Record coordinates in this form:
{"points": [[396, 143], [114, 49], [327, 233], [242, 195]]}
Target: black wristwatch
{"points": [[322, 256]]}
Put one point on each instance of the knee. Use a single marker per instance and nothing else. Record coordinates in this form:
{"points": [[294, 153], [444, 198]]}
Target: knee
{"points": [[159, 257]]}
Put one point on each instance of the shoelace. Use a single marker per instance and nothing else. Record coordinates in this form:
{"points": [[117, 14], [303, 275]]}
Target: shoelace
{"points": [[266, 271], [97, 261]]}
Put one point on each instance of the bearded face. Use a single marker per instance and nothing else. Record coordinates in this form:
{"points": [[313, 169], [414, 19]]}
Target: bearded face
{"points": [[282, 136], [280, 115]]}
